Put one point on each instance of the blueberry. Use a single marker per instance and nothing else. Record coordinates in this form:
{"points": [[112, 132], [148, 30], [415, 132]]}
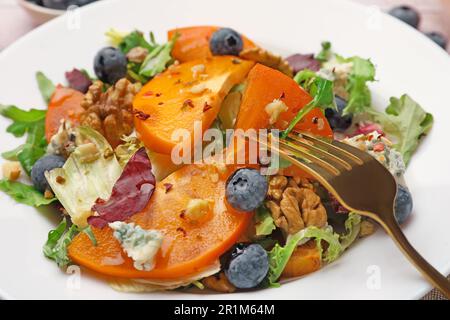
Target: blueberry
{"points": [[403, 204], [406, 14], [226, 41], [438, 38], [248, 266], [337, 121], [110, 65], [46, 163], [246, 189]]}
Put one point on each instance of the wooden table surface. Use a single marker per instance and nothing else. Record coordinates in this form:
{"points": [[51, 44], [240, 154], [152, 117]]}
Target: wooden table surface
{"points": [[435, 16]]}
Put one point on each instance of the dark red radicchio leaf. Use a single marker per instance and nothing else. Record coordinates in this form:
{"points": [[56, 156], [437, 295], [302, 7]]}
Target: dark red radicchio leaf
{"points": [[130, 193], [78, 80], [299, 62]]}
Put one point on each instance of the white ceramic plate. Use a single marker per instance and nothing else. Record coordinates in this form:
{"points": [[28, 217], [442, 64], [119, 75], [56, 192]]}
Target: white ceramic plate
{"points": [[406, 62]]}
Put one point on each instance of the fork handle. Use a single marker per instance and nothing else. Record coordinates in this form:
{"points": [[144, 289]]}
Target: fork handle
{"points": [[427, 270]]}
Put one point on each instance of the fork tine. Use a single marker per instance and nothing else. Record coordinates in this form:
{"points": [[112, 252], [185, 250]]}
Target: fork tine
{"points": [[298, 153], [320, 173], [335, 146], [320, 152]]}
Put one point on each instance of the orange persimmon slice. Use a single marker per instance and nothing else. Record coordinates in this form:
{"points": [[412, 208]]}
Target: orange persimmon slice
{"points": [[193, 42], [183, 94], [65, 104], [187, 247]]}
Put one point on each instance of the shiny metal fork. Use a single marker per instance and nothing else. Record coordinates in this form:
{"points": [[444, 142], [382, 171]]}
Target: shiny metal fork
{"points": [[360, 183]]}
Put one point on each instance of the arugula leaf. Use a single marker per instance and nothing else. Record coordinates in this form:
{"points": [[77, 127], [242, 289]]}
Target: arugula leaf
{"points": [[322, 91], [158, 59], [360, 99], [32, 123], [404, 119], [45, 85], [135, 39], [325, 53], [24, 193], [264, 222], [279, 256], [57, 243]]}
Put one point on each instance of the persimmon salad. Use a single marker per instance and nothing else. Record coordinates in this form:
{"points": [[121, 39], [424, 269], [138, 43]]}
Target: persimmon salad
{"points": [[101, 154]]}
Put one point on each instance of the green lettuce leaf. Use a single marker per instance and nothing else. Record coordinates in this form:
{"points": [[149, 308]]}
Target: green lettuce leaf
{"points": [[32, 123], [407, 121], [57, 243], [158, 59], [279, 256], [352, 228], [85, 181], [360, 99], [45, 85], [24, 193], [264, 223]]}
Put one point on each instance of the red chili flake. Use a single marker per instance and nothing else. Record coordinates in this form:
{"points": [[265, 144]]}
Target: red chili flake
{"points": [[130, 194], [315, 120], [378, 147], [158, 94], [175, 73], [178, 81], [141, 115], [282, 96], [182, 214], [160, 103], [148, 93], [206, 106], [188, 103], [180, 229], [168, 186]]}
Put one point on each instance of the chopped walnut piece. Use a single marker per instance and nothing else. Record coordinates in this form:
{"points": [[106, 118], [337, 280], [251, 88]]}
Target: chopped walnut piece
{"points": [[137, 54], [294, 204], [219, 282], [276, 187], [367, 228], [268, 59], [110, 112]]}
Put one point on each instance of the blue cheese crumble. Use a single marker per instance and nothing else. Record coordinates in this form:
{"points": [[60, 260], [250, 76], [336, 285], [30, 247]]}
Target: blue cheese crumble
{"points": [[139, 244], [381, 149]]}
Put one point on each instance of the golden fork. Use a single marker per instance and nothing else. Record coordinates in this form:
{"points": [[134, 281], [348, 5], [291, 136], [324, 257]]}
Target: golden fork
{"points": [[360, 183]]}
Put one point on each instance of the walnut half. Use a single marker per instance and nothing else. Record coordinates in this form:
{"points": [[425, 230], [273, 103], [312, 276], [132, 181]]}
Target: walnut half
{"points": [[110, 112]]}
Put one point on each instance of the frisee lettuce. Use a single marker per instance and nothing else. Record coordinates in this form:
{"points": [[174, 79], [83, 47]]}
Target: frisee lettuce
{"points": [[45, 85], [407, 121], [24, 193], [360, 99], [32, 123], [264, 223], [279, 256], [352, 228]]}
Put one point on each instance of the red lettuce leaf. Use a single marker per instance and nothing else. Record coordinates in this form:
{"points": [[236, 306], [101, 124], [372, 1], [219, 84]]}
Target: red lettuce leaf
{"points": [[130, 193], [299, 62], [78, 80]]}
